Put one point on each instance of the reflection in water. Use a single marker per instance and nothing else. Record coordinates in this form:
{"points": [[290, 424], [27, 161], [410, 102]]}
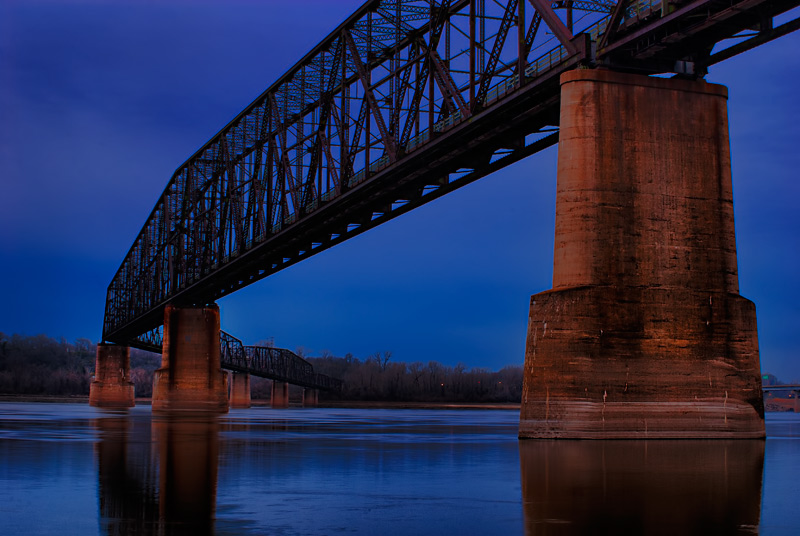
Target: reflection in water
{"points": [[641, 487], [128, 501], [387, 472], [159, 476]]}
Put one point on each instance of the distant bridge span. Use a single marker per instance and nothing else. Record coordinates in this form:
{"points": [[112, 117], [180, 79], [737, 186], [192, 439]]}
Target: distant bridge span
{"points": [[402, 103], [276, 364], [781, 388]]}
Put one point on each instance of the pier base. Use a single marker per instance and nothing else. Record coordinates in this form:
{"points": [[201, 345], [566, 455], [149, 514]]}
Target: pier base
{"points": [[280, 395], [190, 377], [644, 334], [240, 390], [310, 398], [111, 387]]}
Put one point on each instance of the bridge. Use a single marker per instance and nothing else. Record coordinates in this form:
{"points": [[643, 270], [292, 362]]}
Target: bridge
{"points": [[408, 100], [791, 403], [281, 366], [791, 387], [112, 385]]}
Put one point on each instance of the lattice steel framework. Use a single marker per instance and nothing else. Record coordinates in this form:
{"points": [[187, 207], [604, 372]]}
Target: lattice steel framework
{"points": [[273, 363], [403, 102]]}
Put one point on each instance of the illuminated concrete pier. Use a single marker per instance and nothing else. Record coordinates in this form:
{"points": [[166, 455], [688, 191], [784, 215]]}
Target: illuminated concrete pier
{"points": [[280, 395], [112, 386], [190, 377], [310, 398], [644, 333], [240, 390]]}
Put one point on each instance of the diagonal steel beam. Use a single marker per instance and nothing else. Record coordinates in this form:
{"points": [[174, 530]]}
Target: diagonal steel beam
{"points": [[359, 128], [613, 23], [326, 147], [447, 86], [494, 55], [284, 158], [558, 28], [388, 142], [435, 32]]}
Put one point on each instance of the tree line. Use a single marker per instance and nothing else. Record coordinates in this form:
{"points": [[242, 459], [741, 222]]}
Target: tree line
{"points": [[41, 365], [378, 378]]}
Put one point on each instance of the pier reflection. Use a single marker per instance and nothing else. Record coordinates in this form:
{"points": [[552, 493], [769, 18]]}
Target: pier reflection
{"points": [[157, 476], [641, 487]]}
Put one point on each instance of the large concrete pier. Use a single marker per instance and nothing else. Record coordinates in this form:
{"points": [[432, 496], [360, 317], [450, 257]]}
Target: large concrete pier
{"points": [[190, 377], [112, 386], [644, 333]]}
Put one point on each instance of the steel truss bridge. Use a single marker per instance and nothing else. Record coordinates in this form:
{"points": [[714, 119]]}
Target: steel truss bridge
{"points": [[273, 363], [277, 364], [403, 102], [768, 388]]}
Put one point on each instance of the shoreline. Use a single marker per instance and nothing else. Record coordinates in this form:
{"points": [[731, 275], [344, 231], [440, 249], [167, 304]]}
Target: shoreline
{"points": [[341, 404], [262, 403]]}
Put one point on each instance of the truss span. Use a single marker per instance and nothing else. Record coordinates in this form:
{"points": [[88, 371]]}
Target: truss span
{"points": [[274, 363], [403, 102]]}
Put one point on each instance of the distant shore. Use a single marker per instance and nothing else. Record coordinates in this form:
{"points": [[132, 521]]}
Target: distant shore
{"points": [[355, 404]]}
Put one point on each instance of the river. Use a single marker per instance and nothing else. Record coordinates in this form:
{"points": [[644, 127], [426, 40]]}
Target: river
{"points": [[71, 469]]}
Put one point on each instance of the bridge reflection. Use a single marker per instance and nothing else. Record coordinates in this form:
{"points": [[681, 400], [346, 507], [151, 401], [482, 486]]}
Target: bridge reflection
{"points": [[161, 476], [642, 487], [157, 476]]}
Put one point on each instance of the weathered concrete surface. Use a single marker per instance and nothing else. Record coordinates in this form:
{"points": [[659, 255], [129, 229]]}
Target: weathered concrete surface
{"points": [[240, 390], [310, 398], [644, 333], [190, 377], [280, 395], [112, 386]]}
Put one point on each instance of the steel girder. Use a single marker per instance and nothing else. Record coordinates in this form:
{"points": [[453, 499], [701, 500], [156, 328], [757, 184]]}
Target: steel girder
{"points": [[405, 101]]}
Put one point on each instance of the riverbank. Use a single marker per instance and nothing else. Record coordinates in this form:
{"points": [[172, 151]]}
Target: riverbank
{"points": [[773, 406], [354, 404]]}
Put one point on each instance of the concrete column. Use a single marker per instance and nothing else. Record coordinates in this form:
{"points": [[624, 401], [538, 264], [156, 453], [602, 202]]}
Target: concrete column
{"points": [[190, 377], [310, 398], [240, 390], [280, 395], [111, 387], [644, 333]]}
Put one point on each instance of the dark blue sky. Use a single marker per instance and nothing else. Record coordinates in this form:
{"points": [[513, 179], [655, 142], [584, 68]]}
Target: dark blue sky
{"points": [[100, 101]]}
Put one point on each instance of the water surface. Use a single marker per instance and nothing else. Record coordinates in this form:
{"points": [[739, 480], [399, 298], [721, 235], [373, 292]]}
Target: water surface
{"points": [[72, 469]]}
